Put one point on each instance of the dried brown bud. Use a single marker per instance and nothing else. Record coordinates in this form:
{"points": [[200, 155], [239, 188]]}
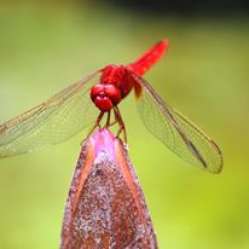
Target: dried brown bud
{"points": [[106, 208]]}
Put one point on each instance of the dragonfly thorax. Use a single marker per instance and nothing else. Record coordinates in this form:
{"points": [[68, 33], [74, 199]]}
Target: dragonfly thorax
{"points": [[120, 76]]}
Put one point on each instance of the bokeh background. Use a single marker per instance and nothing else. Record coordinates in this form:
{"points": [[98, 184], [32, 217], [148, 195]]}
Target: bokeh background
{"points": [[46, 45]]}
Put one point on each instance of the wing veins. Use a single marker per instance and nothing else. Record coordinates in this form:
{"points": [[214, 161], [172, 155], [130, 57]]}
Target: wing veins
{"points": [[169, 113], [191, 147], [43, 106]]}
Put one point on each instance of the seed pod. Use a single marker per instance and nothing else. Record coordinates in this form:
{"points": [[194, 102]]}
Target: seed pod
{"points": [[105, 208]]}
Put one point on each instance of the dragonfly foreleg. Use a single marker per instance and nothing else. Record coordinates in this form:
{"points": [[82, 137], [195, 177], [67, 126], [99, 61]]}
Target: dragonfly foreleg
{"points": [[120, 121], [97, 124], [108, 119], [109, 123]]}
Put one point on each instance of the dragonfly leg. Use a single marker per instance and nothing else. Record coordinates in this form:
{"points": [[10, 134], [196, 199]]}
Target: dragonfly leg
{"points": [[109, 123], [97, 124], [108, 119], [112, 123], [120, 121]]}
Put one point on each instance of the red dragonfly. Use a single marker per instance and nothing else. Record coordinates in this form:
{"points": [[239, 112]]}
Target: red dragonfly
{"points": [[74, 108]]}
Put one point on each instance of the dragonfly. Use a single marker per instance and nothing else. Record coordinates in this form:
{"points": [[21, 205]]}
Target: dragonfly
{"points": [[95, 99]]}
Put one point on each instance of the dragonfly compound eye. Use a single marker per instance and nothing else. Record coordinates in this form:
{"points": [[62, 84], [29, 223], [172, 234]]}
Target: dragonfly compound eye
{"points": [[103, 103], [105, 96], [113, 93]]}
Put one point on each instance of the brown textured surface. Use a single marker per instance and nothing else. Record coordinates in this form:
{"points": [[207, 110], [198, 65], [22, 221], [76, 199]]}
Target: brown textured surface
{"points": [[106, 207]]}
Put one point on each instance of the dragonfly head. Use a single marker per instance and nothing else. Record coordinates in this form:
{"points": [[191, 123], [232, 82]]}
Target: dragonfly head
{"points": [[105, 96]]}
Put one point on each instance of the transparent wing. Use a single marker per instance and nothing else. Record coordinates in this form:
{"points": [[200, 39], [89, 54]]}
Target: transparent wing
{"points": [[51, 122], [176, 132]]}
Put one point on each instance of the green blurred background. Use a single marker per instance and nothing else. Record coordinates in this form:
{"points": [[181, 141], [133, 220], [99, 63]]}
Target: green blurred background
{"points": [[45, 46]]}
